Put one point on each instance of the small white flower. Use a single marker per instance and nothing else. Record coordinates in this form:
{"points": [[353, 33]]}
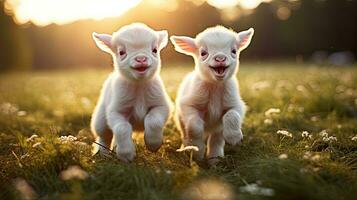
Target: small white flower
{"points": [[25, 189], [284, 133], [332, 138], [283, 156], [254, 189], [73, 172], [86, 102], [314, 118], [301, 88], [8, 108], [36, 144], [325, 139], [67, 139], [324, 133], [21, 113], [32, 138], [305, 134], [268, 121], [307, 155], [272, 111], [315, 157], [354, 138], [188, 148]]}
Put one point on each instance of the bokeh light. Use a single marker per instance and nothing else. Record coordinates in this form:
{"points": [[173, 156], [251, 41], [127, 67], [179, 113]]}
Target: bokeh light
{"points": [[44, 12]]}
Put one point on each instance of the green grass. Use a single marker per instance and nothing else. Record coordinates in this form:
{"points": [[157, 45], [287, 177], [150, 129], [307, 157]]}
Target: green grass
{"points": [[310, 99]]}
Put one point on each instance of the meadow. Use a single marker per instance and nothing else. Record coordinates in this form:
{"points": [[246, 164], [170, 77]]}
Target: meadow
{"points": [[300, 140]]}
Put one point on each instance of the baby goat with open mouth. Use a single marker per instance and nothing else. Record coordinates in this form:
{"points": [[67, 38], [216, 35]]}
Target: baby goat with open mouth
{"points": [[209, 108], [133, 97]]}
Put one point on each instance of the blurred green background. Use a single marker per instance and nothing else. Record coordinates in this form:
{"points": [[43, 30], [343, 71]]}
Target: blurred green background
{"points": [[319, 31]]}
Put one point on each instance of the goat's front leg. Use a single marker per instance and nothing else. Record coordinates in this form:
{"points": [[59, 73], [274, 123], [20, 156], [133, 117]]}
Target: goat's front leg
{"points": [[122, 132], [154, 123], [194, 130], [232, 122]]}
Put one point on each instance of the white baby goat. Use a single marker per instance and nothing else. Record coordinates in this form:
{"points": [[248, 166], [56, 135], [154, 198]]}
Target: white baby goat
{"points": [[208, 104], [133, 97]]}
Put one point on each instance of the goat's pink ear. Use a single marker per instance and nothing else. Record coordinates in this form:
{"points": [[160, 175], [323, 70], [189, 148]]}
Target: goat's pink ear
{"points": [[162, 38], [184, 44], [244, 38], [103, 41]]}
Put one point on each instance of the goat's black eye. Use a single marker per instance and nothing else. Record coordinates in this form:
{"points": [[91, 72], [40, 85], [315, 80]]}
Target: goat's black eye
{"points": [[154, 50], [204, 53], [122, 52], [234, 51]]}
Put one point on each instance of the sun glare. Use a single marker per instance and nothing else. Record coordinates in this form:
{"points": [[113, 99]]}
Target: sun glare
{"points": [[245, 4], [44, 12]]}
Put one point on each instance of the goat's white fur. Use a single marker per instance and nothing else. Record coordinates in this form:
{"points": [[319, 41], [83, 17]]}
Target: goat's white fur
{"points": [[210, 109], [130, 101]]}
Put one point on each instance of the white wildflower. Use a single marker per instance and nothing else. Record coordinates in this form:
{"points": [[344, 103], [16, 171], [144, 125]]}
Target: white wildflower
{"points": [[21, 113], [36, 144], [315, 157], [73, 172], [291, 107], [32, 138], [324, 133], [332, 138], [314, 118], [67, 139], [307, 155], [305, 134], [354, 138], [284, 133], [283, 156], [268, 121], [25, 189], [188, 148], [272, 111], [86, 102], [301, 88], [209, 189], [310, 156], [254, 189], [8, 108]]}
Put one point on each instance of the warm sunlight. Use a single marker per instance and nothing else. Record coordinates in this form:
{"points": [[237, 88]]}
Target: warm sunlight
{"points": [[245, 4], [44, 12]]}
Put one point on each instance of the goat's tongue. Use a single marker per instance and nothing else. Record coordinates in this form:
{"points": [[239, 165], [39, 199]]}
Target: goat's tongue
{"points": [[140, 69], [220, 70]]}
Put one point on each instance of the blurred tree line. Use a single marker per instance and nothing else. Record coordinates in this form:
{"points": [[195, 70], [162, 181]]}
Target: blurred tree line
{"points": [[328, 25]]}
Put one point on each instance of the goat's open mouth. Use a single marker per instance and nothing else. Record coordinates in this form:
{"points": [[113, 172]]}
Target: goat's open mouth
{"points": [[219, 71], [141, 69]]}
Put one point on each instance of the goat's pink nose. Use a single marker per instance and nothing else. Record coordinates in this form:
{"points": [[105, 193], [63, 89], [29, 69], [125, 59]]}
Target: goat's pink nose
{"points": [[220, 58], [140, 59]]}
